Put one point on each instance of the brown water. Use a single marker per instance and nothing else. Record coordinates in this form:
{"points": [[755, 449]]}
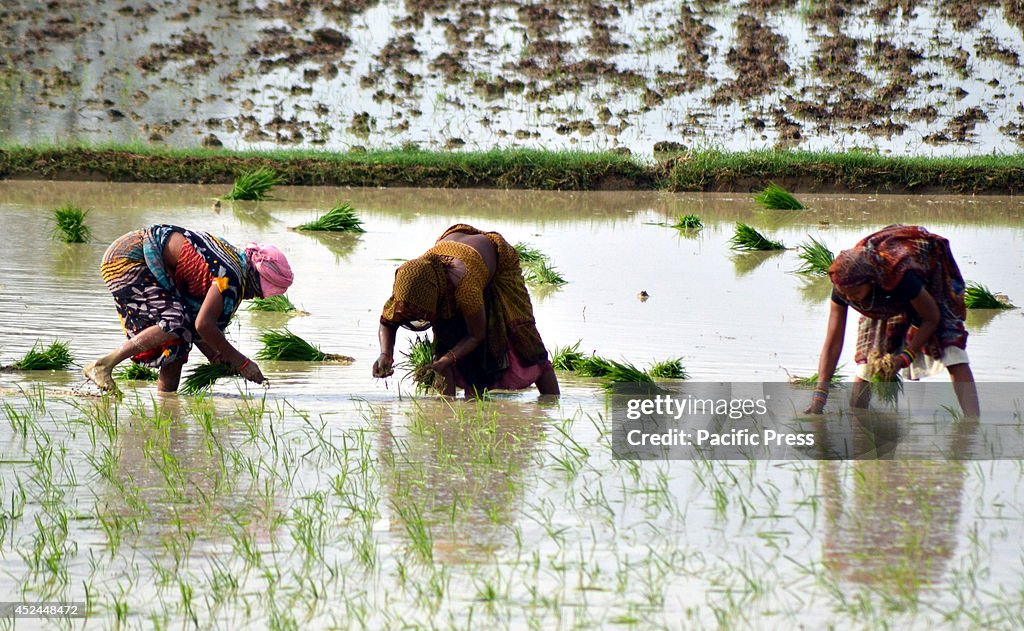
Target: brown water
{"points": [[528, 519]]}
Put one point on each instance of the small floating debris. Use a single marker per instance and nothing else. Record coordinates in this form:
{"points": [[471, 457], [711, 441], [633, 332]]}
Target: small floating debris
{"points": [[816, 257], [283, 345], [643, 296], [338, 219], [978, 296], [254, 185], [777, 198], [748, 239], [69, 224]]}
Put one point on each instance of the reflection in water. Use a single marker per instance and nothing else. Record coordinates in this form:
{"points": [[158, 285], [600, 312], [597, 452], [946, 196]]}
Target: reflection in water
{"points": [[169, 472], [72, 259], [454, 473], [891, 523], [340, 244], [747, 262], [252, 213], [815, 290]]}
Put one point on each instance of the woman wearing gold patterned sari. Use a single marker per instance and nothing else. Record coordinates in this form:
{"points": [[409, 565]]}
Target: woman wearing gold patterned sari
{"points": [[469, 288]]}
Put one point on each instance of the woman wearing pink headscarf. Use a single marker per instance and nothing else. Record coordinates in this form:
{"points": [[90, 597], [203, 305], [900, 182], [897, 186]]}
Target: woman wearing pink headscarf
{"points": [[174, 287]]}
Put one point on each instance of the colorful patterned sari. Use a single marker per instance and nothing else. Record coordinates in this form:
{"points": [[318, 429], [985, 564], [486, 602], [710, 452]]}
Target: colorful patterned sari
{"points": [[146, 292]]}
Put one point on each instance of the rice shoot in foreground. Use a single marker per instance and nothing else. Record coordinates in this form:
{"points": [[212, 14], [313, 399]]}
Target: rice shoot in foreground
{"points": [[978, 296], [668, 369], [816, 258], [275, 304], [691, 223], [777, 198], [283, 345], [56, 356], [204, 376], [136, 372], [748, 239], [69, 224], [338, 219], [254, 185]]}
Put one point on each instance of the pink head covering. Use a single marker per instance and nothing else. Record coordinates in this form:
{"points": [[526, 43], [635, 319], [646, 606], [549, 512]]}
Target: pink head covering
{"points": [[272, 266]]}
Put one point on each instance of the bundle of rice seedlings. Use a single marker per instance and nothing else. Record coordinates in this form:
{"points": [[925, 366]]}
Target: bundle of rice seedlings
{"points": [[338, 219], [540, 273], [136, 372], [978, 296], [204, 376], [593, 366], [691, 223], [749, 240], [417, 360], [69, 224], [56, 356], [567, 357], [283, 345], [529, 254], [886, 383], [624, 372], [816, 257], [275, 304], [668, 369], [777, 198], [254, 185]]}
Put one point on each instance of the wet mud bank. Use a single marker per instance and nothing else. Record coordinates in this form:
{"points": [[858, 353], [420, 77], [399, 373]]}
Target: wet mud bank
{"points": [[711, 171]]}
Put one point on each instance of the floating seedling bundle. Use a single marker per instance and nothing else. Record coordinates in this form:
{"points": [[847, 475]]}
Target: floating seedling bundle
{"points": [[69, 224], [748, 239], [136, 372], [777, 198], [254, 185], [537, 269], [56, 356], [338, 219], [816, 258], [283, 345], [978, 296], [274, 304], [688, 223]]}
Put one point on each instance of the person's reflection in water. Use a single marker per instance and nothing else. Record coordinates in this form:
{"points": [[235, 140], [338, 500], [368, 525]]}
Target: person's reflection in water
{"points": [[891, 523], [170, 475], [457, 470]]}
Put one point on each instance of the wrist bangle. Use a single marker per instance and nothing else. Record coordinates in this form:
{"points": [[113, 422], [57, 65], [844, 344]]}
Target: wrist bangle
{"points": [[244, 364], [910, 354]]}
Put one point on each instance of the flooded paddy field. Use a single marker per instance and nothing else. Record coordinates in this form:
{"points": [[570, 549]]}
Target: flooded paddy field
{"points": [[913, 77], [332, 500]]}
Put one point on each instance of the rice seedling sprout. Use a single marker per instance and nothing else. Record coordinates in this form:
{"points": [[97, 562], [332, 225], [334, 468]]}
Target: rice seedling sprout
{"points": [[204, 376]]}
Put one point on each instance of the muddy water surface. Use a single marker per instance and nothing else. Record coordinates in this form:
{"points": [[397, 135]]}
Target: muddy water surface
{"points": [[362, 508]]}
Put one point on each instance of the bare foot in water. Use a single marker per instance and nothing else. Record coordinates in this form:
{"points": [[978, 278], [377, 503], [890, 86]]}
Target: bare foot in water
{"points": [[100, 376]]}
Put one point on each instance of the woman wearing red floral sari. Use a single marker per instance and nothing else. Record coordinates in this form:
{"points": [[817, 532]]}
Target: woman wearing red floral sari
{"points": [[907, 287]]}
